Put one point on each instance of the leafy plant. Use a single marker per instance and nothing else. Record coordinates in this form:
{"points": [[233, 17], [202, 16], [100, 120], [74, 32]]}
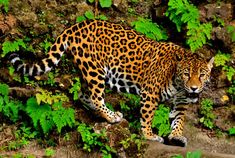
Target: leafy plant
{"points": [[9, 107], [103, 3], [231, 30], [8, 46], [150, 29], [194, 154], [181, 12], [92, 140], [22, 137], [90, 16], [5, 4], [161, 120], [75, 88], [45, 45], [132, 139], [49, 152], [133, 99], [48, 117], [49, 98], [231, 131], [222, 59], [207, 114]]}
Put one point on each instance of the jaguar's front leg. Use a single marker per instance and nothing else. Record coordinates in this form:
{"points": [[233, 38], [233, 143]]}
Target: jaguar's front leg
{"points": [[148, 103], [178, 116]]}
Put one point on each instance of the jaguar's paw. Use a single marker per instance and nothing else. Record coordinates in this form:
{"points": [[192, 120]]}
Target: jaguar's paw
{"points": [[117, 117], [179, 141]]}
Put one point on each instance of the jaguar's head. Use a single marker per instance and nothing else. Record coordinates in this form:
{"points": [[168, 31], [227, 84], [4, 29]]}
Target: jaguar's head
{"points": [[194, 73]]}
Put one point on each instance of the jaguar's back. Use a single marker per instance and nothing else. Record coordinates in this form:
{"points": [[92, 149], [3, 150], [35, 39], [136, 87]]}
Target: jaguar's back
{"points": [[110, 54]]}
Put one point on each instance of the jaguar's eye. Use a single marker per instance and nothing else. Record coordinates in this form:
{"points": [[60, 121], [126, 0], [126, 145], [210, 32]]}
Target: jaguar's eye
{"points": [[202, 75], [186, 74]]}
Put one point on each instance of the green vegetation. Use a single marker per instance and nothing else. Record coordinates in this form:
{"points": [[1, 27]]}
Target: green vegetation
{"points": [[161, 120], [22, 137], [90, 16], [222, 60], [231, 131], [182, 13], [231, 30], [103, 3], [75, 88], [133, 139], [207, 114], [93, 140], [48, 117], [150, 29], [194, 154], [8, 46], [49, 98], [5, 4], [49, 152], [9, 108]]}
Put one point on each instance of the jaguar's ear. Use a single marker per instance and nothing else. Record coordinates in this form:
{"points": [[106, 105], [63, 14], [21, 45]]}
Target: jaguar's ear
{"points": [[210, 63]]}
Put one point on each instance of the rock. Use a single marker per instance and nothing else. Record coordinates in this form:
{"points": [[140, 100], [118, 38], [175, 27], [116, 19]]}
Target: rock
{"points": [[216, 10], [218, 96], [121, 5], [6, 23], [221, 33], [115, 132], [40, 29]]}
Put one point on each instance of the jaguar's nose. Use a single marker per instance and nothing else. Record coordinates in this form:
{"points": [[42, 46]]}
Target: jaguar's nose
{"points": [[194, 88]]}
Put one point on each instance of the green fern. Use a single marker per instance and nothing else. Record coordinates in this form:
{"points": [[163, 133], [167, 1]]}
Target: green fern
{"points": [[8, 46], [49, 98], [181, 12], [47, 118], [75, 88], [5, 4], [231, 30], [150, 29], [161, 120], [9, 108], [221, 59], [63, 117]]}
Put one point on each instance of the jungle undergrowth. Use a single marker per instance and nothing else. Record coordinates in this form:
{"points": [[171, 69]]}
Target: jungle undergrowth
{"points": [[208, 117], [183, 13]]}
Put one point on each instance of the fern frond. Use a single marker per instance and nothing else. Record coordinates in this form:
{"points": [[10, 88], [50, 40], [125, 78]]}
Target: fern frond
{"points": [[181, 12], [35, 111]]}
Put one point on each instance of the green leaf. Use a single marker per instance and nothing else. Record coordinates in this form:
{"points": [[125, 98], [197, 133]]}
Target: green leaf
{"points": [[103, 17], [105, 3], [46, 122], [35, 111], [4, 89], [80, 18], [91, 1], [8, 46], [89, 15], [5, 3], [232, 131]]}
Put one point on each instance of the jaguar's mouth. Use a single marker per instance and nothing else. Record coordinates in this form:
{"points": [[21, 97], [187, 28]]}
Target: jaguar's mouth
{"points": [[192, 95]]}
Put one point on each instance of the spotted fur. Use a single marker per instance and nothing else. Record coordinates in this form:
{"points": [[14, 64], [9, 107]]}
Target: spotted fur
{"points": [[109, 54]]}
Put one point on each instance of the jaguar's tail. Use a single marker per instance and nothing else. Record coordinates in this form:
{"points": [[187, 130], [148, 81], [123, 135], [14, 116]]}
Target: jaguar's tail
{"points": [[46, 64]]}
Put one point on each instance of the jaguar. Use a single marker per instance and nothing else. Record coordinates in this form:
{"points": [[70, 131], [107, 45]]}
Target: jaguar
{"points": [[110, 55]]}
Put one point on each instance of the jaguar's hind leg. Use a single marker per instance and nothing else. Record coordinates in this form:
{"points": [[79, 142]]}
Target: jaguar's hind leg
{"points": [[148, 103], [96, 87]]}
